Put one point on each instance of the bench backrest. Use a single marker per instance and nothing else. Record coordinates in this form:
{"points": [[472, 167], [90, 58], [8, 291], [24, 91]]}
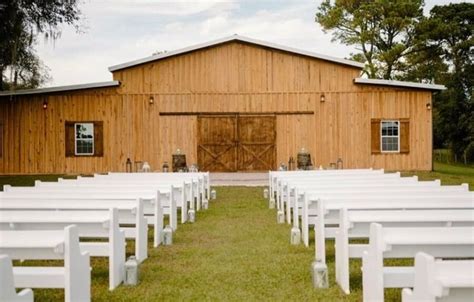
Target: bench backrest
{"points": [[397, 190], [391, 196], [449, 280], [401, 216], [124, 204], [386, 240], [49, 245], [452, 242], [7, 285]]}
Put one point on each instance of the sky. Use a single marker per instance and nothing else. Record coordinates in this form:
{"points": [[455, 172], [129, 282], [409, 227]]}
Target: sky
{"points": [[118, 31]]}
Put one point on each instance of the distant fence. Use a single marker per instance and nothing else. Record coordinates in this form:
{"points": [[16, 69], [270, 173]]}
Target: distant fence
{"points": [[447, 156]]}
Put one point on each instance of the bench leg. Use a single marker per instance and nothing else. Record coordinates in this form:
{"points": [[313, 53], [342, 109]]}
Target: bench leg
{"points": [[342, 252], [77, 287], [116, 252], [174, 212], [320, 234], [158, 221], [304, 222], [288, 207], [7, 284], [184, 207], [141, 240], [372, 267]]}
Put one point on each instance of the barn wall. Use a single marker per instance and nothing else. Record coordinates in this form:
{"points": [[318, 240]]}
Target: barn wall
{"points": [[233, 77], [339, 127], [237, 67]]}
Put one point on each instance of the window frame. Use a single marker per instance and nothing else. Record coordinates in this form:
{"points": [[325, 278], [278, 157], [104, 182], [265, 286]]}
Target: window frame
{"points": [[84, 139], [386, 136]]}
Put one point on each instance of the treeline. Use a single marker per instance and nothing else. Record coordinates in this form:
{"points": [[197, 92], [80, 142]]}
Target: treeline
{"points": [[397, 41], [22, 23]]}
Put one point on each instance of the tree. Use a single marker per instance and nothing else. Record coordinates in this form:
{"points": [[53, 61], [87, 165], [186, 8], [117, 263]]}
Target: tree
{"points": [[382, 30], [22, 22], [444, 53]]}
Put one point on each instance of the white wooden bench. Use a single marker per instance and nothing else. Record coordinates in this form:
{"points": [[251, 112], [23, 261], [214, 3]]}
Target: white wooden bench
{"points": [[277, 181], [356, 224], [192, 186], [202, 189], [295, 204], [274, 176], [331, 204], [152, 209], [385, 243], [334, 179], [202, 176], [7, 286], [335, 182], [183, 191], [441, 280], [90, 224], [74, 276], [195, 188], [130, 213], [170, 196]]}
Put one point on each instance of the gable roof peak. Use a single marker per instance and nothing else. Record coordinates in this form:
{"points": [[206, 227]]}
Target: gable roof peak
{"points": [[235, 37]]}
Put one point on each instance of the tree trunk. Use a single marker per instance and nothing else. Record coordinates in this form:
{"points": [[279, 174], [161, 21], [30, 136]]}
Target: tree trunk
{"points": [[1, 79]]}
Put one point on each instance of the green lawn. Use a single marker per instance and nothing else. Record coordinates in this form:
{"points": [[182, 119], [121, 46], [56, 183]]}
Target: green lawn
{"points": [[28, 180], [234, 252], [449, 174]]}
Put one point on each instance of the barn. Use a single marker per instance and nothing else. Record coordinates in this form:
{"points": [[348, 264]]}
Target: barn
{"points": [[233, 104]]}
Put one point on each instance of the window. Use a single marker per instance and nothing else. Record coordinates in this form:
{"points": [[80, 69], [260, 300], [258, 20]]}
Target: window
{"points": [[84, 138], [390, 137], [84, 133]]}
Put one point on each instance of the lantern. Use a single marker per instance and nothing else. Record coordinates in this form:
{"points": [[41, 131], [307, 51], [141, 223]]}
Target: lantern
{"points": [[291, 163], [166, 167], [339, 164]]}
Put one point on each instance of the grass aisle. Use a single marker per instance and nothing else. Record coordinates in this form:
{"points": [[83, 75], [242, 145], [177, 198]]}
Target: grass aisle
{"points": [[234, 252]]}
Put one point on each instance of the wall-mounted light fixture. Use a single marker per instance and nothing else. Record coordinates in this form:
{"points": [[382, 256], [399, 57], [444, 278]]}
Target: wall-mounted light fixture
{"points": [[151, 100], [322, 98], [45, 105], [428, 106]]}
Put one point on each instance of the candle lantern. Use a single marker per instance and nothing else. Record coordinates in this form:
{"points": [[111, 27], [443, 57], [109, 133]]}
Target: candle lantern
{"points": [[138, 165], [291, 163], [179, 161], [166, 167], [128, 165], [304, 160], [340, 164], [146, 167]]}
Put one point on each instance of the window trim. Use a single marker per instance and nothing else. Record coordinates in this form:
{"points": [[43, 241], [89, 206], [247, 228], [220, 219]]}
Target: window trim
{"points": [[84, 139], [382, 136]]}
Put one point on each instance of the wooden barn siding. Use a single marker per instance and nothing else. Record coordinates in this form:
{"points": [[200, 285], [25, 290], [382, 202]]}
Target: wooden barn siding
{"points": [[234, 77], [340, 127], [237, 67]]}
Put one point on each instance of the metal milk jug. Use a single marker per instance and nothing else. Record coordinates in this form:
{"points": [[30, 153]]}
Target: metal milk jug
{"points": [[131, 271]]}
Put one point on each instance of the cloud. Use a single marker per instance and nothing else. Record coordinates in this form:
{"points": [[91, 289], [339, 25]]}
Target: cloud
{"points": [[119, 31]]}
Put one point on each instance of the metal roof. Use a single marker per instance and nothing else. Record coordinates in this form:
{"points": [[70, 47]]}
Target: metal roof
{"points": [[60, 88], [399, 84], [239, 39]]}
